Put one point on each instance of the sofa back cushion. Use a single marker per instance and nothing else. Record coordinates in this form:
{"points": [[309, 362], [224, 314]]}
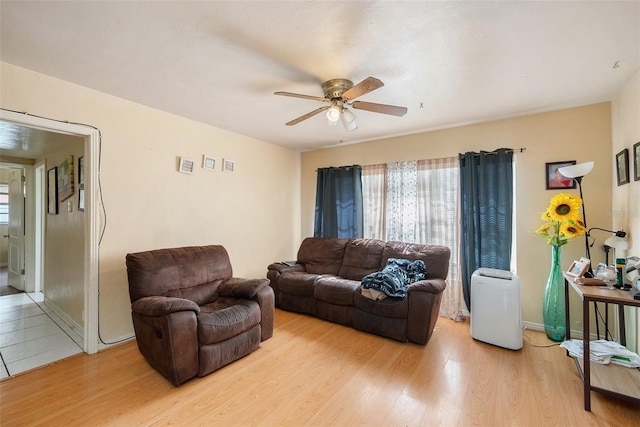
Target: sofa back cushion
{"points": [[361, 257], [322, 255], [435, 257], [191, 272]]}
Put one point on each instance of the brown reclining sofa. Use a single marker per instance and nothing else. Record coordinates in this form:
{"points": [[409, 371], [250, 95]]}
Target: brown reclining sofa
{"points": [[326, 283]]}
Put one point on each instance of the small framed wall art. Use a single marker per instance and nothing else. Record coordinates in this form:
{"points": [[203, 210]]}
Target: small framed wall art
{"points": [[228, 165], [186, 165], [622, 166], [636, 161], [554, 179], [208, 162], [65, 179]]}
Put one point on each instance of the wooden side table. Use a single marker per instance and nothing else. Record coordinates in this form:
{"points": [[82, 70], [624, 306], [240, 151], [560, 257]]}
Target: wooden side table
{"points": [[612, 379]]}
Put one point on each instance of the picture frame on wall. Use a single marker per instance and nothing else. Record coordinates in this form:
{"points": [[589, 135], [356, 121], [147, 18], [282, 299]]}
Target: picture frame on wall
{"points": [[81, 183], [65, 179], [636, 161], [622, 166], [554, 180], [52, 191], [228, 165], [208, 162], [186, 166]]}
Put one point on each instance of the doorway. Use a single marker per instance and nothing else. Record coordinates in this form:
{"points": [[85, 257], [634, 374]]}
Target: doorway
{"points": [[89, 255]]}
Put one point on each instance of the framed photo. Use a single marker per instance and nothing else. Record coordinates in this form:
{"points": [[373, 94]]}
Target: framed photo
{"points": [[208, 163], [65, 179], [228, 165], [186, 165], [52, 191], [622, 166], [555, 180], [578, 268], [599, 270], [636, 161], [81, 183]]}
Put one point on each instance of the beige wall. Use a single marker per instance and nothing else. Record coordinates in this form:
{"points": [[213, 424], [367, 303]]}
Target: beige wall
{"points": [[580, 134], [626, 198], [254, 212], [64, 243]]}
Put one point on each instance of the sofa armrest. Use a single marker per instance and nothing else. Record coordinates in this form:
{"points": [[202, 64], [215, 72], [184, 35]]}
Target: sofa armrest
{"points": [[282, 267], [435, 286], [159, 306], [242, 288], [266, 299], [424, 306]]}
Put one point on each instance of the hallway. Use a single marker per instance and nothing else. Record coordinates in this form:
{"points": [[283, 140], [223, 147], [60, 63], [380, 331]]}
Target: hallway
{"points": [[32, 335]]}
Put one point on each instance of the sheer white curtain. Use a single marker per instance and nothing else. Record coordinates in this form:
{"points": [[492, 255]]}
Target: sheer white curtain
{"points": [[417, 201], [440, 222], [402, 201], [374, 190]]}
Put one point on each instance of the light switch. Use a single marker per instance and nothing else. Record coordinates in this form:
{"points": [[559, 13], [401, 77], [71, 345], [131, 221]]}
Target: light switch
{"points": [[69, 206]]}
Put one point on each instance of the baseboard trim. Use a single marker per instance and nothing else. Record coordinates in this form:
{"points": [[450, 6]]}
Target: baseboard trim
{"points": [[116, 341], [78, 329]]}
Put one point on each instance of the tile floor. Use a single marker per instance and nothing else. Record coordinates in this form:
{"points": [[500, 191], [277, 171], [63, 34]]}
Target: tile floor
{"points": [[32, 335]]}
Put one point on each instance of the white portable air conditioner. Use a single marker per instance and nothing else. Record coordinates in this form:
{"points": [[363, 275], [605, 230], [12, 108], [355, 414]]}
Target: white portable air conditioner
{"points": [[495, 308]]}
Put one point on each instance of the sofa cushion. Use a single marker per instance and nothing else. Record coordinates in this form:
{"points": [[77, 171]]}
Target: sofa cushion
{"points": [[436, 258], [169, 271], [335, 290], [201, 294], [297, 283], [226, 318], [322, 255], [361, 257]]}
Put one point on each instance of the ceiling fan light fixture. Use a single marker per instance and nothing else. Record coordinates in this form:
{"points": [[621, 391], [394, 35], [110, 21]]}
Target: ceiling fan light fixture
{"points": [[333, 113], [348, 120]]}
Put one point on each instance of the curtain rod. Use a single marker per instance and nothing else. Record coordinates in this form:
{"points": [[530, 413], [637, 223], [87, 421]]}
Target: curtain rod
{"points": [[339, 167], [491, 153]]}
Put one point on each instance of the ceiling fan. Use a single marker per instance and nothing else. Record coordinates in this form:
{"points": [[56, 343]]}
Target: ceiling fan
{"points": [[340, 93]]}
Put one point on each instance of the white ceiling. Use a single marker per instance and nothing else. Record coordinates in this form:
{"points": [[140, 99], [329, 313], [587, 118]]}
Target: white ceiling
{"points": [[219, 62]]}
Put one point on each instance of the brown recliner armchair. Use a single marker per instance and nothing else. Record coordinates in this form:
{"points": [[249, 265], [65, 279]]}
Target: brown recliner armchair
{"points": [[190, 316]]}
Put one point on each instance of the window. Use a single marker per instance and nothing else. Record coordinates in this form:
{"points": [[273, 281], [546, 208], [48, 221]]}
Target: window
{"points": [[417, 201], [4, 203]]}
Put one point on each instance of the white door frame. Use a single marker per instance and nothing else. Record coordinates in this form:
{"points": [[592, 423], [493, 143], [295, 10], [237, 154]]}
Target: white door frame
{"points": [[91, 163]]}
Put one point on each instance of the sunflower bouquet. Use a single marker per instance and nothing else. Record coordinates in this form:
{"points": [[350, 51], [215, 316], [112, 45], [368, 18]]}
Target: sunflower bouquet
{"points": [[562, 220]]}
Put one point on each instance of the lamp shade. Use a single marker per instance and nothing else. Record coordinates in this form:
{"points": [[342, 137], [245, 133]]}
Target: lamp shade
{"points": [[576, 171], [618, 243], [349, 120], [333, 113]]}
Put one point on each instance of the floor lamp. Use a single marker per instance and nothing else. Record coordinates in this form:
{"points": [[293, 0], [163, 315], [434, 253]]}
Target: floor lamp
{"points": [[577, 172]]}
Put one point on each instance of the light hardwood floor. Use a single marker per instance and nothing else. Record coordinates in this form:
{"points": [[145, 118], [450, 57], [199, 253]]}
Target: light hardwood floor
{"points": [[318, 373]]}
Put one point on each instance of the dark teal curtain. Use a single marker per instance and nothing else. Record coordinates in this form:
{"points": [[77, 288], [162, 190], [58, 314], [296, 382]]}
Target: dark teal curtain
{"points": [[339, 202], [486, 192]]}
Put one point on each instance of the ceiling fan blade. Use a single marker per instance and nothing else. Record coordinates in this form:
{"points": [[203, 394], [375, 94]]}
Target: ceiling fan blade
{"points": [[306, 116], [297, 95], [380, 108], [367, 85]]}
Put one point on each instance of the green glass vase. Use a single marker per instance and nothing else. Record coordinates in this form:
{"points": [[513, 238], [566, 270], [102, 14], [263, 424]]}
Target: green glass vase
{"points": [[553, 310]]}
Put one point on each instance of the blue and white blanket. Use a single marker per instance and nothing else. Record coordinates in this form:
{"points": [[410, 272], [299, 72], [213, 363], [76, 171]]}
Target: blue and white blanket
{"points": [[395, 277]]}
